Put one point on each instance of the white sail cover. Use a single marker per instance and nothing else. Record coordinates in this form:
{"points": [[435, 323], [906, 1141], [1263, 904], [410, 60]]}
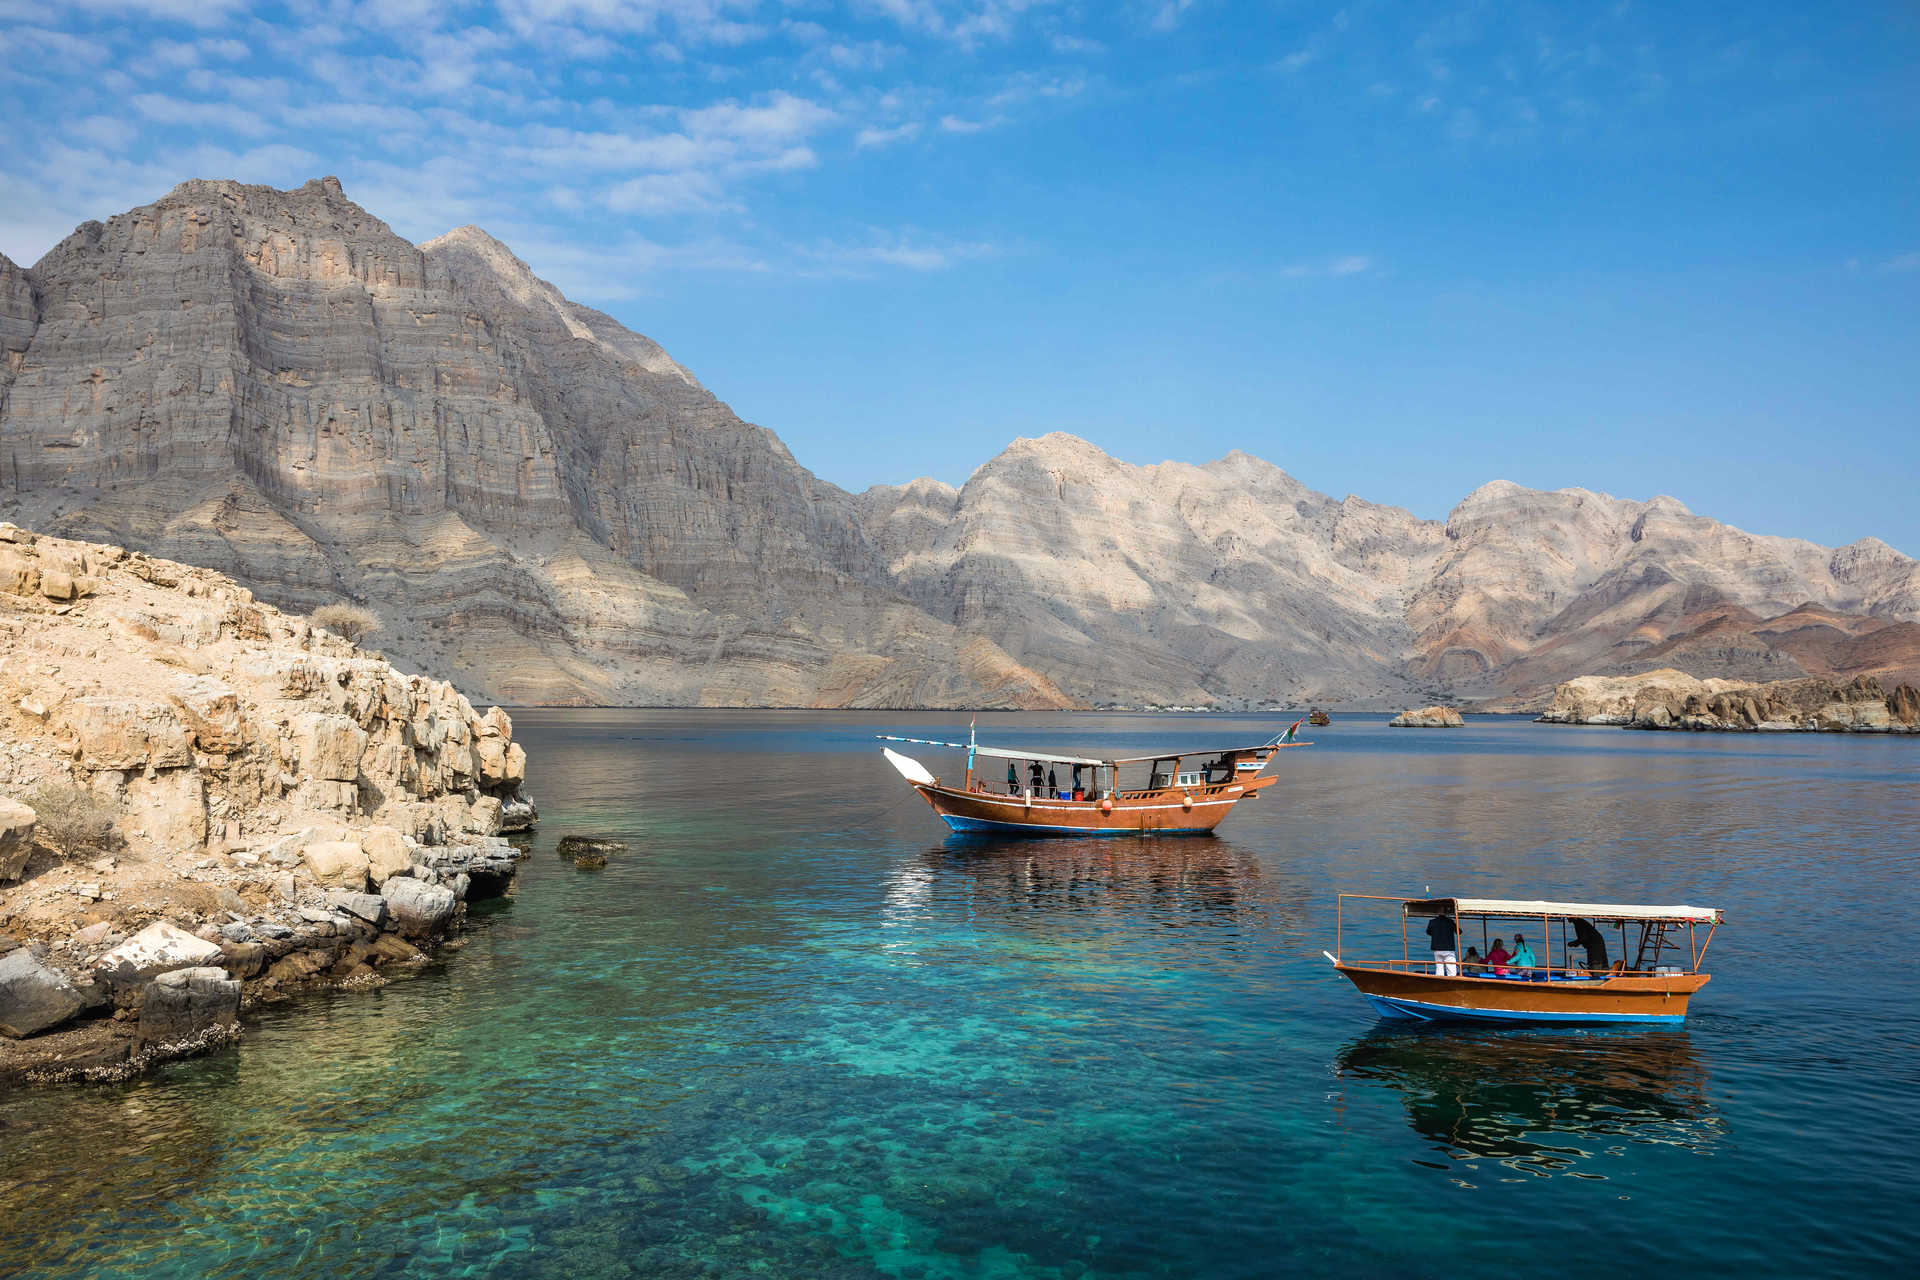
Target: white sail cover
{"points": [[1530, 907], [910, 769]]}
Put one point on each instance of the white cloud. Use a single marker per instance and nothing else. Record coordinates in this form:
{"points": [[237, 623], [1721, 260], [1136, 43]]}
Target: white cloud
{"points": [[1168, 16], [1902, 262], [657, 193], [957, 124], [876, 137], [164, 109], [1352, 264]]}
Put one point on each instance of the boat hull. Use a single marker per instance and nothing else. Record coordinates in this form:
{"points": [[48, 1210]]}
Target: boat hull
{"points": [[1168, 813], [1426, 997]]}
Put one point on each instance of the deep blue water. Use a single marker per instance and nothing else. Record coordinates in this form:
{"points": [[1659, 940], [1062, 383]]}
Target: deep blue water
{"points": [[797, 1031]]}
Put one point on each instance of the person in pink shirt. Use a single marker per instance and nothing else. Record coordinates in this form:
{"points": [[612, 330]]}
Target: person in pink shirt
{"points": [[1498, 956]]}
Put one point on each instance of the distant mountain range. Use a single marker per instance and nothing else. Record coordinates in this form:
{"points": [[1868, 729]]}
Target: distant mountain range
{"points": [[546, 508]]}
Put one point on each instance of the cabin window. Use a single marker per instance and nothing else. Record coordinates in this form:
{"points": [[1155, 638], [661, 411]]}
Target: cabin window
{"points": [[1193, 779]]}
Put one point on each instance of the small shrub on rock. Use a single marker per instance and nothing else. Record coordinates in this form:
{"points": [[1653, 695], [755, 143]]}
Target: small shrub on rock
{"points": [[74, 822], [348, 621]]}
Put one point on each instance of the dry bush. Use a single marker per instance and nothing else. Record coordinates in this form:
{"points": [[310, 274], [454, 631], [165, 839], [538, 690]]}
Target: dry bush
{"points": [[73, 821], [348, 621]]}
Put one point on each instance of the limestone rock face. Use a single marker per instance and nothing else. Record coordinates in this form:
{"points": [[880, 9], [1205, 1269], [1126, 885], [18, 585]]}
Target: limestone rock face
{"points": [[1670, 699], [539, 502], [157, 948], [545, 506], [1428, 718], [199, 715], [337, 864]]}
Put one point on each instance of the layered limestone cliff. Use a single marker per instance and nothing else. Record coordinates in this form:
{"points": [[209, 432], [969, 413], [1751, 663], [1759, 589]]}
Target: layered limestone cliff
{"points": [[542, 504], [193, 781], [1671, 699], [546, 507]]}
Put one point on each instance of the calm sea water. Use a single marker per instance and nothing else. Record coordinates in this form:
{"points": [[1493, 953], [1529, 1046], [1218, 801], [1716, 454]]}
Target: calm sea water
{"points": [[796, 1031]]}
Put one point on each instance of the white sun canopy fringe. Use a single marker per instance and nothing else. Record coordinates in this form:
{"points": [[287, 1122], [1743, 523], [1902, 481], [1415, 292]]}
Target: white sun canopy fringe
{"points": [[1526, 907]]}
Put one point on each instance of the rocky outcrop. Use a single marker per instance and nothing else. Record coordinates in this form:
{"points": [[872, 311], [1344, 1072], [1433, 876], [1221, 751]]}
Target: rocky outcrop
{"points": [[546, 506], [1671, 699], [264, 787], [1428, 718]]}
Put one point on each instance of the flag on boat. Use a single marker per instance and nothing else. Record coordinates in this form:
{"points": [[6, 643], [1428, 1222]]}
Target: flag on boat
{"points": [[1291, 730]]}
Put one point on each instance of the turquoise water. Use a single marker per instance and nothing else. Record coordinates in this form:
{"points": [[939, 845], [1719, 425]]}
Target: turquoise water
{"points": [[796, 1031]]}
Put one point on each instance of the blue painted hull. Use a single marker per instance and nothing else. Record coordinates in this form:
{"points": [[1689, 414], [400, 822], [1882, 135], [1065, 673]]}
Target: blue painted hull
{"points": [[1421, 1011], [985, 826]]}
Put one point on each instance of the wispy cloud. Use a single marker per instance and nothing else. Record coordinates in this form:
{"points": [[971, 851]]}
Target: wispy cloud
{"points": [[1352, 264]]}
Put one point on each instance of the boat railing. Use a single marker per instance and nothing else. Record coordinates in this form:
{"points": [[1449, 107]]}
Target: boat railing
{"points": [[1517, 973]]}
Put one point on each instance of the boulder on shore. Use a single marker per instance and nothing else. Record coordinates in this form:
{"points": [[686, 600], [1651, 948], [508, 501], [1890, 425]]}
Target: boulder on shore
{"points": [[182, 1005], [32, 996], [1428, 718], [16, 837], [416, 908], [159, 947]]}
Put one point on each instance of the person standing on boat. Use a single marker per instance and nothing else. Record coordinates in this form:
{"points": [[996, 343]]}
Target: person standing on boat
{"points": [[1034, 774], [1593, 942], [1013, 779], [1442, 937], [1053, 782]]}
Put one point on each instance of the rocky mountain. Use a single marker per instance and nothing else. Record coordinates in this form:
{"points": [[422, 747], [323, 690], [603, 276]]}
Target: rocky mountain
{"points": [[540, 503], [546, 507]]}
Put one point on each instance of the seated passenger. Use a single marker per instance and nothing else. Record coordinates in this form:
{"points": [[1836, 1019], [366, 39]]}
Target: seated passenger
{"points": [[1523, 961], [1498, 957], [1475, 965]]}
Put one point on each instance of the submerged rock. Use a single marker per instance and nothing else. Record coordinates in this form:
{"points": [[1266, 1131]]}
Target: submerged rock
{"points": [[574, 846]]}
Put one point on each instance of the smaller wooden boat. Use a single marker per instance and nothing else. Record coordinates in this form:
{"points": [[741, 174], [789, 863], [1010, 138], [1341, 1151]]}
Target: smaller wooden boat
{"points": [[1318, 718], [1665, 943]]}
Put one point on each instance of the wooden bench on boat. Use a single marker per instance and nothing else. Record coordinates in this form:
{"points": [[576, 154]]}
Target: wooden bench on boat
{"points": [[1668, 950]]}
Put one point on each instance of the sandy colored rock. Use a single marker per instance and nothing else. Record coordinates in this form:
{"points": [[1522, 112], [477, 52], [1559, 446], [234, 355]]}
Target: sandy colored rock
{"points": [[1428, 718], [387, 853], [339, 864], [1669, 699], [16, 837]]}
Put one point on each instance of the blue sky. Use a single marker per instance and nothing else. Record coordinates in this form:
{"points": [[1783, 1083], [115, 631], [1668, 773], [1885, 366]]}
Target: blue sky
{"points": [[1397, 249]]}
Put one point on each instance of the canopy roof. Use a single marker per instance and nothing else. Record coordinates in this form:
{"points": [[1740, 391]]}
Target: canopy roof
{"points": [[1050, 757], [1526, 907]]}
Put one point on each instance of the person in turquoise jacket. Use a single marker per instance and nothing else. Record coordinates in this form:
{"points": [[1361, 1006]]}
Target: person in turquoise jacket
{"points": [[1523, 961]]}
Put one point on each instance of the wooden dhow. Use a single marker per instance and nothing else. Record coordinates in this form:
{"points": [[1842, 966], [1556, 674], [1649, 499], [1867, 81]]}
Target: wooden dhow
{"points": [[1668, 945], [1181, 793]]}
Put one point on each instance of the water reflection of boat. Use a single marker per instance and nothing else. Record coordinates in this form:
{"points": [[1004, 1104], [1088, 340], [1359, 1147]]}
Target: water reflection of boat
{"points": [[1195, 879], [1543, 1104], [1173, 793]]}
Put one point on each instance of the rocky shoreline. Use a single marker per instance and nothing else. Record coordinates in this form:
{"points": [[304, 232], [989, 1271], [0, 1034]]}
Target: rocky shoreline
{"points": [[207, 804], [1670, 699]]}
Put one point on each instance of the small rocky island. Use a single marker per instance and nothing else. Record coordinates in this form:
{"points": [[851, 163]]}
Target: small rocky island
{"points": [[1428, 718], [1670, 699], [206, 803]]}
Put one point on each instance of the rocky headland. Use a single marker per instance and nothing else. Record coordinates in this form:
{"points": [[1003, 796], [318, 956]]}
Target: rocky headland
{"points": [[1672, 699], [206, 803], [1427, 718], [549, 509]]}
